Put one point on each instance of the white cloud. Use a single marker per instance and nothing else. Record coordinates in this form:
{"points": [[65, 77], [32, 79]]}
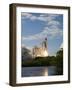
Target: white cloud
{"points": [[33, 18], [26, 15], [41, 17], [51, 28], [54, 22], [22, 45], [47, 31], [61, 46], [28, 47]]}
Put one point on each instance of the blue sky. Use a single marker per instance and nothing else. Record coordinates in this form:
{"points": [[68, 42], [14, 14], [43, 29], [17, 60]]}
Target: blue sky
{"points": [[36, 26]]}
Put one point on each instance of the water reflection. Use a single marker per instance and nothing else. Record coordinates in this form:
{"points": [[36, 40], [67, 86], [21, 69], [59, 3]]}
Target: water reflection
{"points": [[38, 71], [45, 72]]}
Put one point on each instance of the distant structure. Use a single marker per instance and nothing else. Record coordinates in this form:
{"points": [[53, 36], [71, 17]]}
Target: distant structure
{"points": [[40, 51]]}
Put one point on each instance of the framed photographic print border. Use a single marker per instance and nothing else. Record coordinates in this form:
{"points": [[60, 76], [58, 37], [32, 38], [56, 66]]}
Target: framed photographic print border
{"points": [[13, 43]]}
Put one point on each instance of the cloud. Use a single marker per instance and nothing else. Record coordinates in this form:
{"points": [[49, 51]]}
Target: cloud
{"points": [[26, 15], [41, 17], [33, 18], [61, 46], [24, 46], [53, 22], [53, 32], [51, 28]]}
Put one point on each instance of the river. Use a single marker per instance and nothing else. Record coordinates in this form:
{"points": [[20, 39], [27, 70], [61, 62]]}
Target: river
{"points": [[38, 71]]}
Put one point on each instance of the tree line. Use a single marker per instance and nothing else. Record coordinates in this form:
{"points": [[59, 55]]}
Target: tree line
{"points": [[47, 61]]}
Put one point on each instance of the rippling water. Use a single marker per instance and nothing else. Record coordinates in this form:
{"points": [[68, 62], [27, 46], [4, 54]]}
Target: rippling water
{"points": [[38, 71]]}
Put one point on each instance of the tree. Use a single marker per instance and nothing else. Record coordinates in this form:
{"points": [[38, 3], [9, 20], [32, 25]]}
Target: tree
{"points": [[59, 62], [60, 53]]}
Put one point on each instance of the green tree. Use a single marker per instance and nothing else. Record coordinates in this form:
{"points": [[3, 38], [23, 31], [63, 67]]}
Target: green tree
{"points": [[59, 62]]}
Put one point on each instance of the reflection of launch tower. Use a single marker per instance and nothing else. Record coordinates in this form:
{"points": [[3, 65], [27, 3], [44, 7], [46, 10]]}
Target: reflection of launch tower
{"points": [[41, 51]]}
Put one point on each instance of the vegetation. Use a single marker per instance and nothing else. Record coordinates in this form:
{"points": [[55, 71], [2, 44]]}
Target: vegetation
{"points": [[59, 62], [47, 61]]}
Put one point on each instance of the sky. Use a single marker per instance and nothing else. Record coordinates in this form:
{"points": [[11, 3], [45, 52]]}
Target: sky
{"points": [[35, 27]]}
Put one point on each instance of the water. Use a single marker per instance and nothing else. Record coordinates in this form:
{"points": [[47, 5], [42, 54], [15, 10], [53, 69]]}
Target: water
{"points": [[38, 71]]}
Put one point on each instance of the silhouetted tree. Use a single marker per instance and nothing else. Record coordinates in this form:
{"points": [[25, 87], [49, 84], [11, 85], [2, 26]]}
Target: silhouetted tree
{"points": [[59, 62]]}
